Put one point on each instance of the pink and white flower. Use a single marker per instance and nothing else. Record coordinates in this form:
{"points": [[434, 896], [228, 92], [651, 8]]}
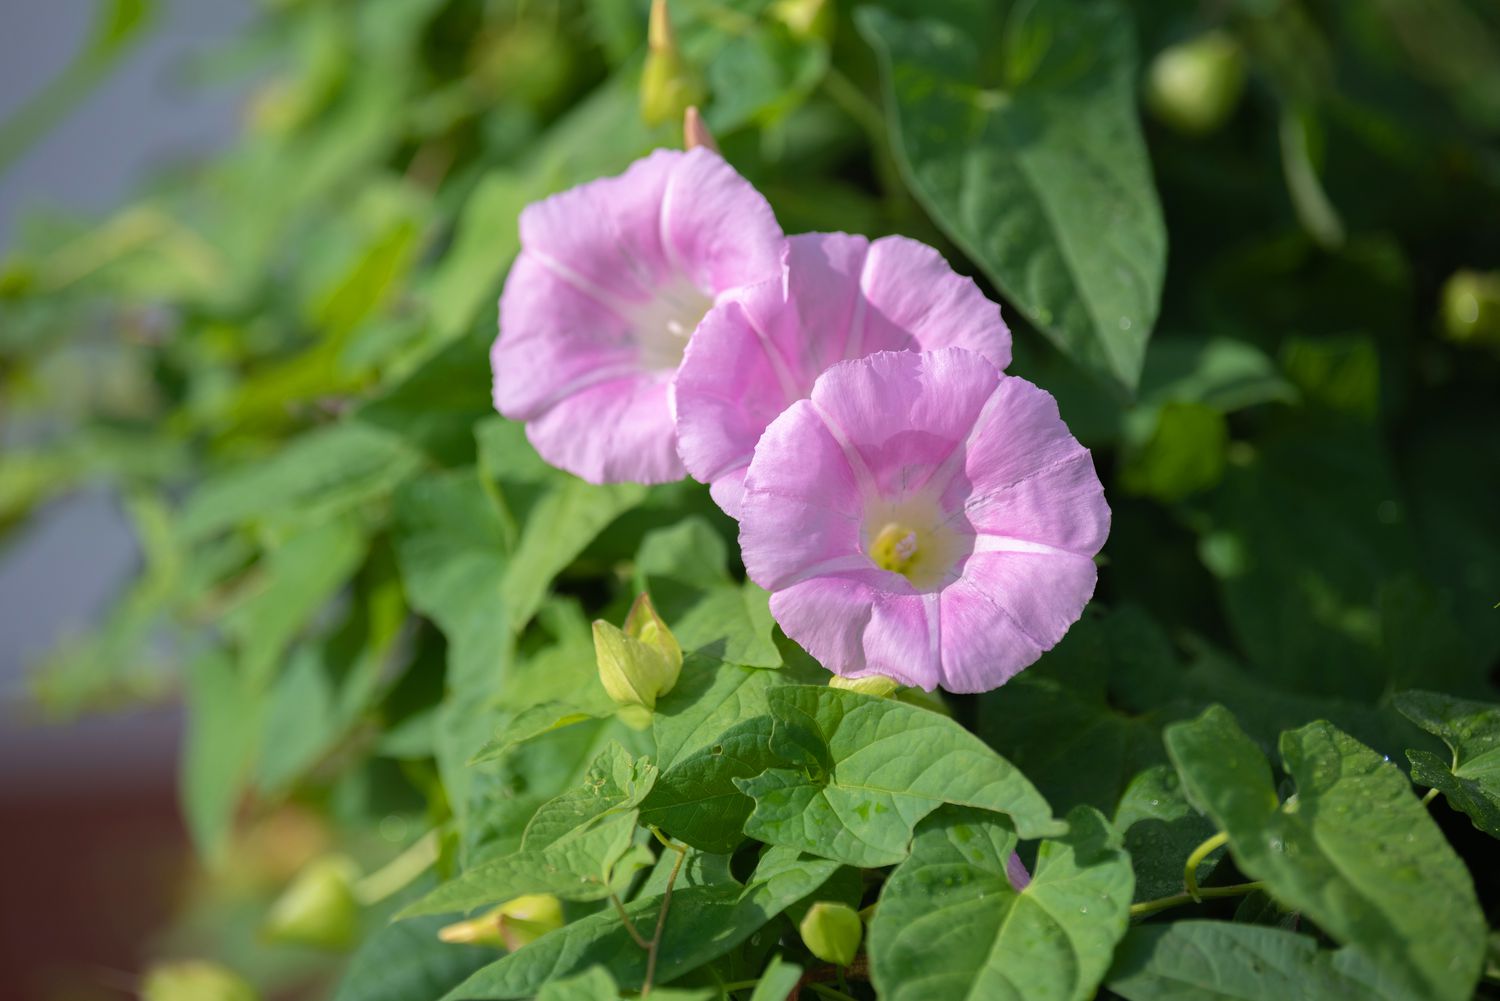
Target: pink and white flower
{"points": [[841, 297], [923, 517], [611, 282]]}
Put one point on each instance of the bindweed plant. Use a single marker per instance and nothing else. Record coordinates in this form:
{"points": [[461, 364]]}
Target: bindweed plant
{"points": [[866, 563]]}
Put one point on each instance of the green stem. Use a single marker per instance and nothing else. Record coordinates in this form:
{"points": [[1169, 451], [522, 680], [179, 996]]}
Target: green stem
{"points": [[1190, 868], [640, 939], [1431, 795], [1204, 893], [661, 919], [400, 871]]}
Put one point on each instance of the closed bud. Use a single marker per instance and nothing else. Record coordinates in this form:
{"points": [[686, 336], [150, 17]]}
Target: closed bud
{"points": [[511, 925], [1471, 307], [640, 662], [871, 684], [832, 932], [1194, 87], [669, 85], [319, 908], [195, 980], [805, 19]]}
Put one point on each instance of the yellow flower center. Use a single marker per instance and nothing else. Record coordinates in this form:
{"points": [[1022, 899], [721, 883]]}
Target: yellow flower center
{"points": [[894, 547]]}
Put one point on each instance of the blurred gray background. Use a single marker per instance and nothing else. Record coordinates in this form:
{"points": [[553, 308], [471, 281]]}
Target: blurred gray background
{"points": [[58, 573]]}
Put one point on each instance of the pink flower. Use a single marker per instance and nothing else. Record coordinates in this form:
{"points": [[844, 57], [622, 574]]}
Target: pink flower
{"points": [[923, 517], [843, 297], [613, 278]]}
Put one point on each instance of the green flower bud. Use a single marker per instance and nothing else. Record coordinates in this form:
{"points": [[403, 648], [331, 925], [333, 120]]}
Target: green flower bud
{"points": [[511, 925], [1195, 87], [832, 932], [669, 86], [805, 19], [875, 684], [195, 980], [1471, 307], [319, 908], [640, 662]]}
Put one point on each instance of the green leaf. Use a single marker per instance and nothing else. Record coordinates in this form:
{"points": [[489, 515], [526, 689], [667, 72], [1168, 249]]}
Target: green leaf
{"points": [[1218, 372], [615, 782], [778, 981], [218, 749], [951, 925], [553, 515], [589, 863], [1303, 536], [294, 581], [1471, 782], [315, 477], [1021, 139], [534, 722], [711, 729], [488, 238], [436, 404], [1183, 454], [1161, 830], [595, 984], [1353, 850], [683, 569], [702, 924], [451, 546], [406, 961], [864, 770], [1219, 961], [1100, 697], [327, 685]]}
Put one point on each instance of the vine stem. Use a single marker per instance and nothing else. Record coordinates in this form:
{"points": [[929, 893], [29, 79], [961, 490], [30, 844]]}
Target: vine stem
{"points": [[661, 919], [1190, 867], [1146, 907], [640, 939], [1431, 795]]}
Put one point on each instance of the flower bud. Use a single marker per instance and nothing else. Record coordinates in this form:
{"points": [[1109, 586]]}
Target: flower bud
{"points": [[195, 980], [669, 86], [319, 908], [872, 684], [511, 925], [832, 932], [806, 19], [640, 662], [1194, 87], [1471, 307]]}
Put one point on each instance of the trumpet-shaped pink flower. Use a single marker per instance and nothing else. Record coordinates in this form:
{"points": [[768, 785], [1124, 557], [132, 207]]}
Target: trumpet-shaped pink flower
{"points": [[923, 517], [613, 278], [842, 297]]}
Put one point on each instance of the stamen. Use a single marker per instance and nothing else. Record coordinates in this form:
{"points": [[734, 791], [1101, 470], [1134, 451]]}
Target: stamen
{"points": [[894, 548]]}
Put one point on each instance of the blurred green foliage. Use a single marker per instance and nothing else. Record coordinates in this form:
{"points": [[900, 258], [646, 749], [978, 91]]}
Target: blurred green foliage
{"points": [[360, 577]]}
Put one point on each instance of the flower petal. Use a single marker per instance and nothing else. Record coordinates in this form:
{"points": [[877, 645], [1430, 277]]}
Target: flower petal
{"points": [[801, 506], [604, 237], [1006, 610], [727, 391], [557, 341], [917, 302], [1025, 476], [844, 297], [612, 281], [613, 432], [900, 415], [716, 227]]}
